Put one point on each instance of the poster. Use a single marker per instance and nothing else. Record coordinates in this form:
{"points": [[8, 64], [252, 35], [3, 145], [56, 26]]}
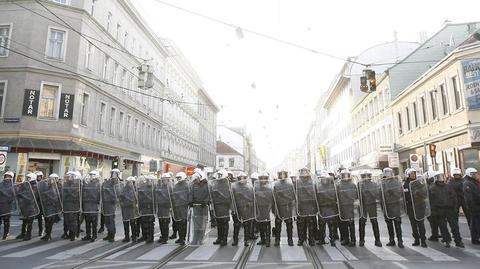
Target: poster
{"points": [[471, 80]]}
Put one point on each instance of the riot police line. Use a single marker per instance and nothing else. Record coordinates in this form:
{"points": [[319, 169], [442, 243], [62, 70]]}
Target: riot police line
{"points": [[314, 202]]}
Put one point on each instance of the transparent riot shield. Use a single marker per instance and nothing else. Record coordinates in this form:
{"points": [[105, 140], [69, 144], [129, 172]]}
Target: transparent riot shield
{"points": [[128, 200], [49, 197], [179, 200], [145, 192], [108, 196], [243, 200], [347, 196], [26, 200], [284, 198], [90, 196], [163, 188], [7, 198], [369, 196], [327, 199], [198, 219], [71, 195], [392, 197], [263, 199], [306, 199], [220, 197], [420, 201]]}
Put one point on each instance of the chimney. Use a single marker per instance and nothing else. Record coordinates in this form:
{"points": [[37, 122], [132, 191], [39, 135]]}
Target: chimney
{"points": [[423, 36]]}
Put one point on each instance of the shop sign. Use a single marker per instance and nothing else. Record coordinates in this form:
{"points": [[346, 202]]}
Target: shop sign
{"points": [[3, 160], [30, 102], [471, 80], [393, 160], [66, 106]]}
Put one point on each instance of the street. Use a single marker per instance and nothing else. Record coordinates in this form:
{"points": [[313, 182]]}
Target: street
{"points": [[59, 253]]}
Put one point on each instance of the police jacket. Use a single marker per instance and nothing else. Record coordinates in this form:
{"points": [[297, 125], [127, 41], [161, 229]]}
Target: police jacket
{"points": [[457, 186], [442, 197], [408, 194], [471, 193], [199, 193]]}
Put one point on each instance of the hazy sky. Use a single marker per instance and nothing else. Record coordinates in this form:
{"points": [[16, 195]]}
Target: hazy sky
{"points": [[278, 111]]}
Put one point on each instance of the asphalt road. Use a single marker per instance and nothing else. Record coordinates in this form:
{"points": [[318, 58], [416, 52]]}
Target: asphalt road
{"points": [[59, 253]]}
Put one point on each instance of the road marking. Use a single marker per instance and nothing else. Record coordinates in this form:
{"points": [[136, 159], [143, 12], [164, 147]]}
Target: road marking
{"points": [[120, 253], [334, 253], [431, 253], [108, 250], [402, 266], [204, 252], [292, 253], [15, 245], [157, 253], [35, 250], [84, 248], [255, 253], [473, 251], [383, 253], [43, 265], [347, 253], [238, 253]]}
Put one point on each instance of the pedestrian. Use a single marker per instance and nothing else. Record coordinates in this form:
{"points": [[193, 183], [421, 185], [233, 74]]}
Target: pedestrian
{"points": [[347, 194], [27, 203], [243, 201]]}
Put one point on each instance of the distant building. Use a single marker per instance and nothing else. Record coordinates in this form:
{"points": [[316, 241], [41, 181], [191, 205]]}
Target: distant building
{"points": [[228, 158]]}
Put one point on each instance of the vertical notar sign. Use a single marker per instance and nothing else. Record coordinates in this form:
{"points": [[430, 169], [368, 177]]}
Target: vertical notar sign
{"points": [[66, 106], [30, 102]]}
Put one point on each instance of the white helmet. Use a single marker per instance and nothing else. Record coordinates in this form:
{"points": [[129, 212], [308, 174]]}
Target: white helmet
{"points": [[410, 171], [9, 173], [197, 177], [39, 173], [116, 171], [345, 174], [130, 179], [241, 175], [456, 171], [94, 174], [264, 176], [470, 172], [31, 177], [304, 172], [254, 175], [430, 174], [74, 174], [166, 175], [181, 176], [222, 174], [388, 172], [53, 175]]}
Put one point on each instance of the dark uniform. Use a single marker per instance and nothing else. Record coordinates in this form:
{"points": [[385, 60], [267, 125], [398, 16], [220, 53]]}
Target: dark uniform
{"points": [[7, 202], [163, 188], [243, 197], [198, 201], [418, 226], [328, 208], [471, 192], [369, 193], [347, 194], [285, 201], [90, 205], [443, 202], [71, 191], [263, 208], [393, 206], [307, 209], [456, 182]]}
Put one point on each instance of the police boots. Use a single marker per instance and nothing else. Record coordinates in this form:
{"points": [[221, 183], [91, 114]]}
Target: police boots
{"points": [[236, 231], [48, 230], [174, 229], [126, 231], [268, 230], [224, 237], [376, 232], [94, 230], [290, 232], [6, 227], [28, 233], [40, 225], [88, 228], [219, 232], [23, 229]]}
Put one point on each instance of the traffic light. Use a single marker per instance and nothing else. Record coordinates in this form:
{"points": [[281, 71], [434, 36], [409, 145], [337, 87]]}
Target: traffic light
{"points": [[115, 162], [363, 84], [368, 82], [433, 150]]}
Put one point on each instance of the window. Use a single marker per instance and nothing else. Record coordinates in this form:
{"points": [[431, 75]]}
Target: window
{"points": [[443, 92], [60, 1], [135, 132], [84, 109], [105, 69], [399, 118], [231, 162], [92, 7], [456, 93], [424, 109], [133, 45], [109, 21], [116, 70], [103, 115], [143, 134], [89, 56], [125, 39], [48, 101], [4, 40], [148, 135], [433, 102], [121, 119], [221, 161], [3, 94], [127, 127], [113, 115], [119, 28], [407, 112], [122, 80], [415, 115], [56, 44]]}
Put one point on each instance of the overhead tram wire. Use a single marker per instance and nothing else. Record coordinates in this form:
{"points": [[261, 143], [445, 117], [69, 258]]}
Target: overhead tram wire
{"points": [[84, 36], [100, 80]]}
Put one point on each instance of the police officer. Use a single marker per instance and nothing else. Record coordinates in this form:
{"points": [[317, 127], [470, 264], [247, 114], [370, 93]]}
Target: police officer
{"points": [[456, 181], [109, 203], [243, 196], [393, 206], [128, 200], [7, 201], [254, 233], [347, 194], [328, 208], [90, 204], [443, 202], [28, 205], [221, 202], [71, 204], [413, 203], [163, 188], [263, 197], [39, 218], [284, 195], [179, 199], [51, 203], [471, 192], [236, 222], [369, 195], [307, 208], [198, 201]]}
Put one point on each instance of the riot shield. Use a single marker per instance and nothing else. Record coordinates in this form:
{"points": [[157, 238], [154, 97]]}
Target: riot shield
{"points": [[128, 200], [284, 198], [219, 191], [179, 200], [146, 201], [243, 201], [392, 197], [90, 196], [198, 219], [306, 199], [369, 196], [420, 201], [26, 200], [327, 199], [7, 198], [49, 197], [347, 196], [163, 188], [108, 197], [71, 195], [263, 199]]}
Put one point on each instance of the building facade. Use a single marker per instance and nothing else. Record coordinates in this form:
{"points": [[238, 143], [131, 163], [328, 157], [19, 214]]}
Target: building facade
{"points": [[90, 91], [230, 159]]}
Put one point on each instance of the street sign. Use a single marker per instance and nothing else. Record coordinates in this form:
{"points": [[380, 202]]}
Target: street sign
{"points": [[385, 148], [415, 161], [5, 148], [3, 160], [393, 160]]}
